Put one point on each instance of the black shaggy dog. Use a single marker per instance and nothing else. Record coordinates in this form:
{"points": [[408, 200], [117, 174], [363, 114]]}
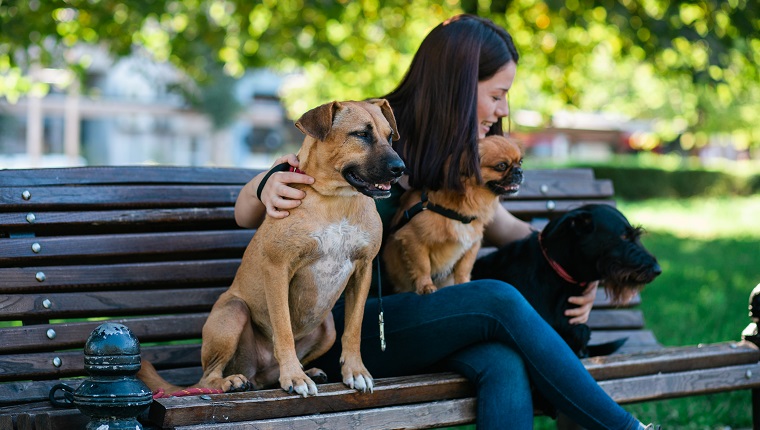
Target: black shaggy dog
{"points": [[593, 242]]}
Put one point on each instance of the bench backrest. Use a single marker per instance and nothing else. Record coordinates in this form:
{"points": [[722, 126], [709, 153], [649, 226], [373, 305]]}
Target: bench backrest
{"points": [[152, 248]]}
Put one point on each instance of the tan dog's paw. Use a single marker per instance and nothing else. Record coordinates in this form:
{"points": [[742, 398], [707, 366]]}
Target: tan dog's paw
{"points": [[317, 375], [299, 384], [356, 376], [427, 289], [235, 383]]}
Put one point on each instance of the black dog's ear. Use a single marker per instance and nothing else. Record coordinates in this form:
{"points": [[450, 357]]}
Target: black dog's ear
{"points": [[318, 121], [385, 108], [582, 223]]}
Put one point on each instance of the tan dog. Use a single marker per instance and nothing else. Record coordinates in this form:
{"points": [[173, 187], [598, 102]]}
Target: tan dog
{"points": [[437, 246], [277, 313]]}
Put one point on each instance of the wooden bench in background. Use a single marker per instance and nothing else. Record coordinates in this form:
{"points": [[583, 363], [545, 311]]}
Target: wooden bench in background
{"points": [[153, 247]]}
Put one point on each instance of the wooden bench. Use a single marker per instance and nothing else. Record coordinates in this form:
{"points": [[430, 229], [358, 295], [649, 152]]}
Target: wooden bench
{"points": [[152, 248]]}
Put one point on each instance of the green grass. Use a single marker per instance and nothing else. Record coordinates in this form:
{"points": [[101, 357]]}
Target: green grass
{"points": [[709, 250], [710, 253]]}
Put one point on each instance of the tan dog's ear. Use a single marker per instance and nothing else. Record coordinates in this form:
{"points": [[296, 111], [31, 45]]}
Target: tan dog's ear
{"points": [[318, 121], [385, 108]]}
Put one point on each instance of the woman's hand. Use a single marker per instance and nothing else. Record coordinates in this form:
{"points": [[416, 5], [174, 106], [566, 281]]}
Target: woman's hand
{"points": [[580, 314], [277, 195]]}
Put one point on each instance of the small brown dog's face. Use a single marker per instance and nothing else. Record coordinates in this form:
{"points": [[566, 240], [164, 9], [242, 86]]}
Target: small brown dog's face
{"points": [[501, 164]]}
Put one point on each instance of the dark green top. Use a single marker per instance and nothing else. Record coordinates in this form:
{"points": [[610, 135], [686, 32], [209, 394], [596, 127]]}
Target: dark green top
{"points": [[386, 208]]}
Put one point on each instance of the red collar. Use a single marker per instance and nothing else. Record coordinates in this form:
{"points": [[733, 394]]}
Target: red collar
{"points": [[557, 268]]}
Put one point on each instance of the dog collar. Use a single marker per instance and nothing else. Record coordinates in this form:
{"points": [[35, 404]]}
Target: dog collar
{"points": [[282, 167], [424, 204], [556, 266]]}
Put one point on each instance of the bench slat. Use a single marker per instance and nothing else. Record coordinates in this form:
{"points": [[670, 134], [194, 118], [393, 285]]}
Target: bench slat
{"points": [[74, 278], [333, 397], [692, 383], [107, 303], [559, 188], [169, 196], [416, 416], [637, 339], [40, 365], [79, 220], [127, 175], [672, 359], [124, 245], [74, 334], [136, 196], [529, 209], [615, 319], [193, 175]]}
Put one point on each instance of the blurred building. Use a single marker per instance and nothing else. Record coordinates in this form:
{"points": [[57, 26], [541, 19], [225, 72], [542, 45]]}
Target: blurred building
{"points": [[131, 113], [581, 135]]}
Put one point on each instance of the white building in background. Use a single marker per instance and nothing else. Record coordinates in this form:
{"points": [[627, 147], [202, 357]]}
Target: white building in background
{"points": [[130, 114]]}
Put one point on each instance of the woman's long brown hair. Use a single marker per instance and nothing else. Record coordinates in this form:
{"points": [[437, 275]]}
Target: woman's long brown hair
{"points": [[435, 104]]}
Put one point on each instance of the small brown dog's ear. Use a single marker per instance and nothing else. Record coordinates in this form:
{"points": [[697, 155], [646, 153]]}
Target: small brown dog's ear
{"points": [[318, 121], [385, 108]]}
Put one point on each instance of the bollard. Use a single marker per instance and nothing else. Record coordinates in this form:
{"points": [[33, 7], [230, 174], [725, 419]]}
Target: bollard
{"points": [[750, 333], [112, 396]]}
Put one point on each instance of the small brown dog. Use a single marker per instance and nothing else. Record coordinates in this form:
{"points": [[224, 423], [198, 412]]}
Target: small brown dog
{"points": [[433, 250], [276, 315]]}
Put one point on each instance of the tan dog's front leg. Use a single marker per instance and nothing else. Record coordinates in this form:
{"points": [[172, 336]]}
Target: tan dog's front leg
{"points": [[292, 376], [355, 375], [417, 260], [463, 267]]}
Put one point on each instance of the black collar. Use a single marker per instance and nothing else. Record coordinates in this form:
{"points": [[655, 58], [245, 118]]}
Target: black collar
{"points": [[424, 204]]}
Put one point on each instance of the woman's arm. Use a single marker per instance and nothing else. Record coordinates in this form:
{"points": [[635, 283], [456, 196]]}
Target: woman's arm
{"points": [[506, 228], [276, 197]]}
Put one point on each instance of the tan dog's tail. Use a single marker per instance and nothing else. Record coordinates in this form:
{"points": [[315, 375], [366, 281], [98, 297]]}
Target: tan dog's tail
{"points": [[154, 381]]}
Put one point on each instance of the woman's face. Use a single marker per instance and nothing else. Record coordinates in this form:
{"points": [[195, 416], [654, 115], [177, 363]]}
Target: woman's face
{"points": [[492, 97]]}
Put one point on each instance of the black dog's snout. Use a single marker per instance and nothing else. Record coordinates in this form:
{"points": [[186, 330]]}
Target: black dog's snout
{"points": [[656, 269]]}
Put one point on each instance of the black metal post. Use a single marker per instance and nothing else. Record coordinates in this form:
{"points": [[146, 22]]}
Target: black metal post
{"points": [[112, 396]]}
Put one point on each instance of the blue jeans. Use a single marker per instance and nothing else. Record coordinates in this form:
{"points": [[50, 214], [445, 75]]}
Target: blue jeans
{"points": [[488, 332]]}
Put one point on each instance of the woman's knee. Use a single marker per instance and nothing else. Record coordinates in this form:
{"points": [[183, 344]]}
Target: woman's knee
{"points": [[491, 293]]}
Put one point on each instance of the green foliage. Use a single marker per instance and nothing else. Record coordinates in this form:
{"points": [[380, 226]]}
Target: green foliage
{"points": [[648, 177], [691, 65], [644, 183]]}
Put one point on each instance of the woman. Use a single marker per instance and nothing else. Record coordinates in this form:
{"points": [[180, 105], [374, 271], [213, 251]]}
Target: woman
{"points": [[453, 94]]}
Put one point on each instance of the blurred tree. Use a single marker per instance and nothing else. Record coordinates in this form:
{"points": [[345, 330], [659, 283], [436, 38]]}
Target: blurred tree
{"points": [[694, 64]]}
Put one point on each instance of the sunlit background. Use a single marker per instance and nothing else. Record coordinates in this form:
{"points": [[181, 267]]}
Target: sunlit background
{"points": [[661, 97], [219, 82]]}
